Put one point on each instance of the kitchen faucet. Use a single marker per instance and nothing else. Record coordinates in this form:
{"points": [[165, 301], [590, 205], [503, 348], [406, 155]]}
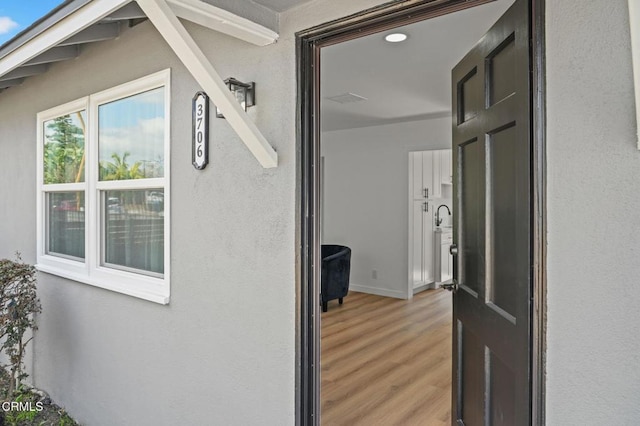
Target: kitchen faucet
{"points": [[438, 220]]}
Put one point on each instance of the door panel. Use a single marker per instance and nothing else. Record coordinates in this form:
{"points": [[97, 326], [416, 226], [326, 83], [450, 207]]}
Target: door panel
{"points": [[436, 174], [469, 99], [471, 399], [501, 71], [501, 392], [471, 233], [422, 255], [428, 237], [445, 166], [427, 174], [501, 215], [492, 228], [416, 182], [417, 267]]}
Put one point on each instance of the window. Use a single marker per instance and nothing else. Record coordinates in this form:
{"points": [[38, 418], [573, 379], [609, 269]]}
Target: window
{"points": [[103, 189]]}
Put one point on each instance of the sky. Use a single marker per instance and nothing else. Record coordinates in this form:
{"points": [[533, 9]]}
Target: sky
{"points": [[16, 15]]}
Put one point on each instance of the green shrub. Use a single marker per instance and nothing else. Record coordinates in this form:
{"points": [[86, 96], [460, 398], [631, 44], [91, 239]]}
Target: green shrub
{"points": [[18, 306]]}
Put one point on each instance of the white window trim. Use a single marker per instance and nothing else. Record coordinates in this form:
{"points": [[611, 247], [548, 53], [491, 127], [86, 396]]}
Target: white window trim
{"points": [[634, 23], [91, 271]]}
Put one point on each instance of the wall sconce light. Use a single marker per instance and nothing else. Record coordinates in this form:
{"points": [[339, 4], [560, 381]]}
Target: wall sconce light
{"points": [[245, 93]]}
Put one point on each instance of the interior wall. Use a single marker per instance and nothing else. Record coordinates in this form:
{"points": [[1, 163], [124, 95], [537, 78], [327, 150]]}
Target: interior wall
{"points": [[593, 171], [366, 197]]}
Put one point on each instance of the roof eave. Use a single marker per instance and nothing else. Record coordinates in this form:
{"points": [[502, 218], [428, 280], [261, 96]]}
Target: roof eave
{"points": [[40, 40], [73, 16], [60, 12]]}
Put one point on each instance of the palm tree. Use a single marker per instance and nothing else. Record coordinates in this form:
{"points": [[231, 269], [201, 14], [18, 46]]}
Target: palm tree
{"points": [[119, 169], [64, 152]]}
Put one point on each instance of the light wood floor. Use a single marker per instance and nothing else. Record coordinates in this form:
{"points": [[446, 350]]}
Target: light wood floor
{"points": [[387, 361]]}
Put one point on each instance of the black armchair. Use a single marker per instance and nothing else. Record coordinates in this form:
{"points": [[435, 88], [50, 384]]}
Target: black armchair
{"points": [[336, 265]]}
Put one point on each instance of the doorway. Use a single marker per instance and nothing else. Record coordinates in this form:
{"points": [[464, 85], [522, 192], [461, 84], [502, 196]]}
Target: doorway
{"points": [[310, 45]]}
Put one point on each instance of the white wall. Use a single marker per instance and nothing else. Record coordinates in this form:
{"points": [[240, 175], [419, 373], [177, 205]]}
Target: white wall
{"points": [[593, 374], [366, 197]]}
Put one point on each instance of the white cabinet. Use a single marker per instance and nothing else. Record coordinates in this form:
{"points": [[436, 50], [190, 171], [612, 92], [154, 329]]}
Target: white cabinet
{"points": [[429, 183], [421, 181], [442, 173], [436, 189], [446, 167], [421, 251], [429, 171], [443, 259], [435, 173]]}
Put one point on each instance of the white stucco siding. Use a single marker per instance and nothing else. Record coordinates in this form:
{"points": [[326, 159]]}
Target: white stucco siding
{"points": [[593, 170], [226, 340]]}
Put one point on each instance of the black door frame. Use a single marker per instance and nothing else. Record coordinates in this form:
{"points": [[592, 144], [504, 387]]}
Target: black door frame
{"points": [[308, 45]]}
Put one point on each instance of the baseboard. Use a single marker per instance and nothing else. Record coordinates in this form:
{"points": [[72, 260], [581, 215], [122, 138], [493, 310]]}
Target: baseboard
{"points": [[377, 291], [424, 287]]}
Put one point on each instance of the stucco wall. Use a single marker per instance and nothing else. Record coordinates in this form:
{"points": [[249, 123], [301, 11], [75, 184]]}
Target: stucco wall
{"points": [[226, 340], [594, 216], [366, 197], [223, 350]]}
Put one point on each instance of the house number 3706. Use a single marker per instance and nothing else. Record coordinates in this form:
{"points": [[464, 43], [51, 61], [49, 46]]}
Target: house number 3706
{"points": [[200, 132]]}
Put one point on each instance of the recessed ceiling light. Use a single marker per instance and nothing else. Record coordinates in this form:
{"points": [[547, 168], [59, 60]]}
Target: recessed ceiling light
{"points": [[395, 37]]}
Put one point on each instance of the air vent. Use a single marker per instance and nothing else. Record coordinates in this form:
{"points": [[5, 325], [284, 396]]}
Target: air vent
{"points": [[347, 98]]}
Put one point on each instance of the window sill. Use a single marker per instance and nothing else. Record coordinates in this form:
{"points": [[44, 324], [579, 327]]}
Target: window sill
{"points": [[146, 288]]}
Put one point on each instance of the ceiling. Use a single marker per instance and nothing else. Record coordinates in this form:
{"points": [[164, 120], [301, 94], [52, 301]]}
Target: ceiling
{"points": [[404, 81], [280, 5]]}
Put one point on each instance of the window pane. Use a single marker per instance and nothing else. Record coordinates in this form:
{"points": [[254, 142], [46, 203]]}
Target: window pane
{"points": [[64, 148], [65, 213], [134, 229], [131, 137]]}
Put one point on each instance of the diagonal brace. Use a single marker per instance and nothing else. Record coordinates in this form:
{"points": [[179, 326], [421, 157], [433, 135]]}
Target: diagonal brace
{"points": [[178, 38]]}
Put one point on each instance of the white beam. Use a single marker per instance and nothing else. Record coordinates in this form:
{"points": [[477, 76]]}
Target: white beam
{"points": [[634, 22], [62, 30], [223, 21], [55, 54], [130, 11], [26, 71], [96, 32], [11, 83], [167, 23]]}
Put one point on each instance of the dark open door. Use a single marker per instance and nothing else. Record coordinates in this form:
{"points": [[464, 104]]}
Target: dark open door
{"points": [[493, 231]]}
